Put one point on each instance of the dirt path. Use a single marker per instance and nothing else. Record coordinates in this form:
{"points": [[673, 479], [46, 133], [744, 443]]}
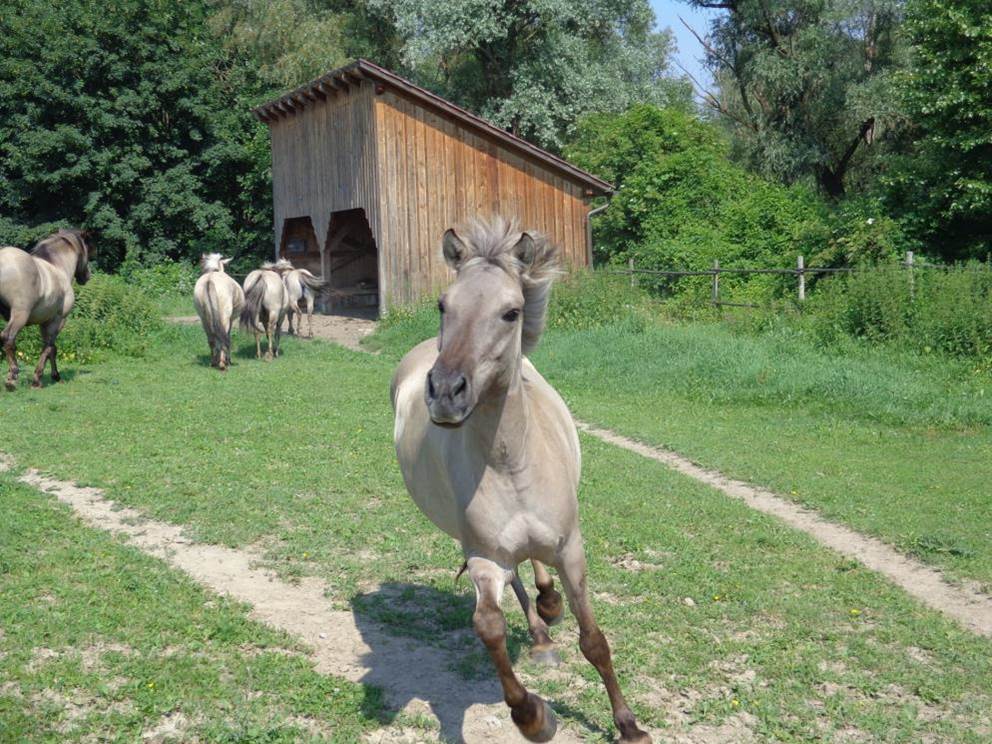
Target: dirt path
{"points": [[969, 607], [347, 330], [416, 679]]}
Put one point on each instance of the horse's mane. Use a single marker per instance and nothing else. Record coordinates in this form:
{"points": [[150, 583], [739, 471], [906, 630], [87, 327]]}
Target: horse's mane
{"points": [[47, 248], [283, 264], [494, 241]]}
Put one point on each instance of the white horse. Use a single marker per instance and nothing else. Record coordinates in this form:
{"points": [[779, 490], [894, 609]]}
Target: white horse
{"points": [[301, 286], [218, 299], [36, 289], [264, 308], [489, 452]]}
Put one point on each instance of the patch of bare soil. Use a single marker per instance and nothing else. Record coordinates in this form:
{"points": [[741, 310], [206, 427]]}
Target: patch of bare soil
{"points": [[966, 605], [416, 679], [346, 330]]}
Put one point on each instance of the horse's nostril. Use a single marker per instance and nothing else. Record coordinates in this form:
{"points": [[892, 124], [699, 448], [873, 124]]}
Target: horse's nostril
{"points": [[460, 387], [430, 386]]}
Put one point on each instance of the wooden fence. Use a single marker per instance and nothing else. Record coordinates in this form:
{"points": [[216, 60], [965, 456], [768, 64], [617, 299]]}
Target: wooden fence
{"points": [[800, 272]]}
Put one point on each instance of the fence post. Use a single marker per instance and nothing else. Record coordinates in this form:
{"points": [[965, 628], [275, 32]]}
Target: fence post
{"points": [[633, 277], [909, 268], [800, 270], [716, 282]]}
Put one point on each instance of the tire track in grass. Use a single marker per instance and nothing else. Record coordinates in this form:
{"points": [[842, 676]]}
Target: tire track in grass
{"points": [[969, 607], [415, 678]]}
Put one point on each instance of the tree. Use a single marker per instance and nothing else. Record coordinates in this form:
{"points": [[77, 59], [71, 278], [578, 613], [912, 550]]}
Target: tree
{"points": [[807, 85], [536, 66], [134, 123], [943, 191], [681, 202]]}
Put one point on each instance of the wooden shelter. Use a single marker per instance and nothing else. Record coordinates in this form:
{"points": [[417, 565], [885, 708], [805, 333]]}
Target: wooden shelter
{"points": [[369, 170]]}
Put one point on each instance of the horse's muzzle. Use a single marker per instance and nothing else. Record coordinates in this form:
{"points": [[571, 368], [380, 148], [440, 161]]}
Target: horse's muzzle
{"points": [[448, 395]]}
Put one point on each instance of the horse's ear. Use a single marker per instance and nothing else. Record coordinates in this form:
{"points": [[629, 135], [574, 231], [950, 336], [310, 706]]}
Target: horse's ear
{"points": [[525, 251], [226, 261], [454, 249]]}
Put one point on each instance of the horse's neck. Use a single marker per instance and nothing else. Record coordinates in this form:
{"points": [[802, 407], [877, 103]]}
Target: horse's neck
{"points": [[64, 261], [501, 427]]}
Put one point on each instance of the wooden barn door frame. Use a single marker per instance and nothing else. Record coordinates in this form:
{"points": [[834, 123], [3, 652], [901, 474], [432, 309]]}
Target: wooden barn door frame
{"points": [[337, 232]]}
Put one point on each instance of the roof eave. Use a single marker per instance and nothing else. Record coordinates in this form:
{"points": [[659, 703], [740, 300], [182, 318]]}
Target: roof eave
{"points": [[301, 97]]}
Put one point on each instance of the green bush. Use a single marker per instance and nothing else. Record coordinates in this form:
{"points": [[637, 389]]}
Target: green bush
{"points": [[110, 317], [587, 300], [166, 278], [946, 311]]}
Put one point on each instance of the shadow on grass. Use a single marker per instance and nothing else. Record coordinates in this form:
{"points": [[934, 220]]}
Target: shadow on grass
{"points": [[422, 647]]}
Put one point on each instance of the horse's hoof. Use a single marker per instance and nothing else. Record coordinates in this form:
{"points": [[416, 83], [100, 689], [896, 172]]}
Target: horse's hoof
{"points": [[11, 385], [545, 725], [35, 384], [546, 655], [56, 378]]}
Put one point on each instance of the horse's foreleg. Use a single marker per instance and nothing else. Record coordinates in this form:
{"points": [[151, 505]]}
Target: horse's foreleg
{"points": [[530, 713], [549, 604], [309, 316], [289, 323], [595, 648], [258, 342], [543, 651], [8, 339]]}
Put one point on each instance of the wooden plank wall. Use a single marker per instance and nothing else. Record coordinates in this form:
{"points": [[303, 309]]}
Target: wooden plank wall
{"points": [[324, 161], [415, 173], [434, 174]]}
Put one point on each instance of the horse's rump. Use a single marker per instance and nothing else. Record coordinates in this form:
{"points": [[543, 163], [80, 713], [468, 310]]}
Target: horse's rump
{"points": [[251, 311]]}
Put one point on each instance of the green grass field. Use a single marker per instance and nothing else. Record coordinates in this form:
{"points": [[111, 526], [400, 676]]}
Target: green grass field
{"points": [[98, 641], [295, 458]]}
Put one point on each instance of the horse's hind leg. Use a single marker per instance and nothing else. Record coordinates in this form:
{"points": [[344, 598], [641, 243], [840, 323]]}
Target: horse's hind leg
{"points": [[309, 316], [543, 650], [549, 604], [530, 713], [572, 571], [8, 339], [48, 333]]}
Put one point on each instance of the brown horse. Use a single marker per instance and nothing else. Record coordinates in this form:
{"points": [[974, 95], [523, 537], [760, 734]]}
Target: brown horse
{"points": [[489, 452], [36, 289]]}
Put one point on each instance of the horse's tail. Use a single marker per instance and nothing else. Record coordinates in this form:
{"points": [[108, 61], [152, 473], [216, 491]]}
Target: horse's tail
{"points": [[253, 306], [218, 327], [311, 282]]}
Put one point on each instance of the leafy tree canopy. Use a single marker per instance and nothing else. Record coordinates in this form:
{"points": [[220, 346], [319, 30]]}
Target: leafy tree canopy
{"points": [[807, 85], [681, 202], [943, 189], [131, 121], [535, 66]]}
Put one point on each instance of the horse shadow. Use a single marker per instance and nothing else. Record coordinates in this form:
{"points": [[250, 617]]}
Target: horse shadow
{"points": [[422, 647]]}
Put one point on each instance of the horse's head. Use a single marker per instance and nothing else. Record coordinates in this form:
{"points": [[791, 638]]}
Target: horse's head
{"points": [[80, 242], [213, 262], [491, 315], [283, 266]]}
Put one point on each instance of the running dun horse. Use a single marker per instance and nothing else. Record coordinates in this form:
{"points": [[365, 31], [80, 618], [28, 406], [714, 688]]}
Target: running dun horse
{"points": [[489, 452], [301, 286], [264, 308], [36, 289], [218, 299]]}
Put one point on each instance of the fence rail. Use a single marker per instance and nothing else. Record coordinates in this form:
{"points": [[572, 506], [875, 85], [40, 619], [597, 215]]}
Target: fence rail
{"points": [[799, 272]]}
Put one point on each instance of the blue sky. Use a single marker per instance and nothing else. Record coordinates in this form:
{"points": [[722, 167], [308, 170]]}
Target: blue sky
{"points": [[690, 53]]}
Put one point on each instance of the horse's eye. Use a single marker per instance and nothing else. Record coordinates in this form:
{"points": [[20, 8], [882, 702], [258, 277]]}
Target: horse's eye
{"points": [[511, 315]]}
